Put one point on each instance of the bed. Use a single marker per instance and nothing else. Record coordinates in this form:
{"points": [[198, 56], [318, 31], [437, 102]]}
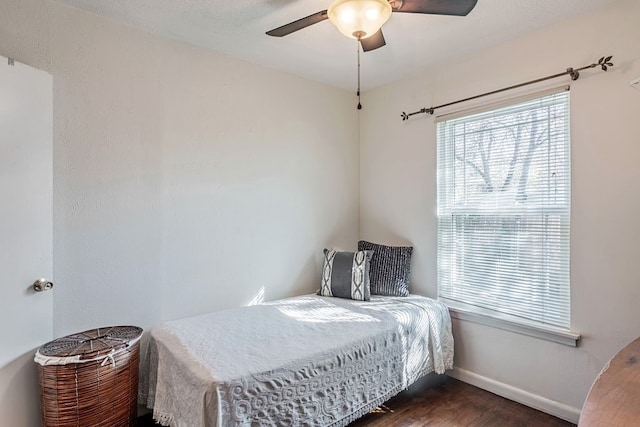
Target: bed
{"points": [[308, 360]]}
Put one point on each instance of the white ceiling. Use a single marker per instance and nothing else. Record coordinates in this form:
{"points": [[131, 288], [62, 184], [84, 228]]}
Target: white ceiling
{"points": [[319, 52]]}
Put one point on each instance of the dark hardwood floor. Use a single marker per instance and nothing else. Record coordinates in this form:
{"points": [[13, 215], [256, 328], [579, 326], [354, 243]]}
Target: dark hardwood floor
{"points": [[447, 402], [452, 403]]}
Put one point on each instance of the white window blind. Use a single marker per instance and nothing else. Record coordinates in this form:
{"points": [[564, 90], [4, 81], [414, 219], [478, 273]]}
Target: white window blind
{"points": [[504, 210]]}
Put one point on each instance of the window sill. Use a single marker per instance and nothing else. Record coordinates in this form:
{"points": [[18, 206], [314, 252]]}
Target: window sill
{"points": [[560, 336]]}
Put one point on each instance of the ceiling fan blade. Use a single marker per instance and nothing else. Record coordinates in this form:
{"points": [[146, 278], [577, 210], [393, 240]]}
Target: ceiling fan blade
{"points": [[373, 42], [299, 24], [434, 7]]}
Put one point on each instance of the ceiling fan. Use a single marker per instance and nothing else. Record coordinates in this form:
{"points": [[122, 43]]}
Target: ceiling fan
{"points": [[362, 19]]}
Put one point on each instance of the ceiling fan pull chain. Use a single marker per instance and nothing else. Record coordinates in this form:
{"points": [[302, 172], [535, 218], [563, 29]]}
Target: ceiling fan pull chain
{"points": [[358, 93]]}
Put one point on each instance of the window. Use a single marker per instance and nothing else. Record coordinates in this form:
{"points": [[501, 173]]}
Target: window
{"points": [[504, 210]]}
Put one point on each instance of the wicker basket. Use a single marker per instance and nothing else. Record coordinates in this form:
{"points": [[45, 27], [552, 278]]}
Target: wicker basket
{"points": [[90, 378]]}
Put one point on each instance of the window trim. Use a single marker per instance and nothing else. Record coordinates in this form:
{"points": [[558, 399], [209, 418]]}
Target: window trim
{"points": [[459, 311]]}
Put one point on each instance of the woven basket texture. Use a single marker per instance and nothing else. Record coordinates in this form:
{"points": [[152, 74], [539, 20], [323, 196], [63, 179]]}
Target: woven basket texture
{"points": [[96, 393]]}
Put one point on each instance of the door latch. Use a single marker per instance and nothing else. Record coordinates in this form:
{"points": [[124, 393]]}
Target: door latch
{"points": [[42, 285]]}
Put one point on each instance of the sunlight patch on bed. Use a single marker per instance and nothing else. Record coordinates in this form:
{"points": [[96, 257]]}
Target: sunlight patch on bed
{"points": [[314, 311], [418, 348]]}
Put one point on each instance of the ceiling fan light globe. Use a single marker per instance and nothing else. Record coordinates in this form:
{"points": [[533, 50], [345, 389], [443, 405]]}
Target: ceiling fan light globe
{"points": [[359, 19], [372, 14], [348, 17]]}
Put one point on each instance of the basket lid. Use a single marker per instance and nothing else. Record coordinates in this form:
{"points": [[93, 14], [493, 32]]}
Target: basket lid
{"points": [[92, 343]]}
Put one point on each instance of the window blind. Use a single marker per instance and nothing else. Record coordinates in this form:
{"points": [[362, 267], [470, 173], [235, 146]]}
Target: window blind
{"points": [[504, 209]]}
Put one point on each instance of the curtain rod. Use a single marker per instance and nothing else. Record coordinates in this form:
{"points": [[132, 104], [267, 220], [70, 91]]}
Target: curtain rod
{"points": [[604, 62]]}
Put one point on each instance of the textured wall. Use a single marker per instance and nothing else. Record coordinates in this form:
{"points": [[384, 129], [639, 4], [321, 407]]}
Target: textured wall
{"points": [[398, 198], [184, 181]]}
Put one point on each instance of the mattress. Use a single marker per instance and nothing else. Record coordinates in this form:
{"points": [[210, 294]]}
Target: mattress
{"points": [[308, 360]]}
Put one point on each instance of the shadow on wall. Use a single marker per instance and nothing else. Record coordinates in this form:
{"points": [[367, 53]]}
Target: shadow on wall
{"points": [[407, 230], [384, 234], [20, 392]]}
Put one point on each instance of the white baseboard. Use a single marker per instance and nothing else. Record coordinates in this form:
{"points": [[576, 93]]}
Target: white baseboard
{"points": [[535, 401]]}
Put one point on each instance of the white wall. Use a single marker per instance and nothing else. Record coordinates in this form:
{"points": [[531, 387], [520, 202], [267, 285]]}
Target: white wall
{"points": [[398, 198], [184, 180]]}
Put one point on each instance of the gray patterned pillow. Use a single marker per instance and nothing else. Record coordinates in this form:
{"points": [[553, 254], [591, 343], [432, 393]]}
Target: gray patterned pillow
{"points": [[346, 275], [390, 268]]}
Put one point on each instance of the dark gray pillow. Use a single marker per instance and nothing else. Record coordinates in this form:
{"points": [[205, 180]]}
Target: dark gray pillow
{"points": [[346, 275], [390, 268]]}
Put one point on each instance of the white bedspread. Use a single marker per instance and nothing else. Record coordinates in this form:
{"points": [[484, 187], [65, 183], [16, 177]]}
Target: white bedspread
{"points": [[306, 360]]}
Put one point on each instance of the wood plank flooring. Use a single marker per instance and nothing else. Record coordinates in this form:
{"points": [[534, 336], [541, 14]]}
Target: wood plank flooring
{"points": [[452, 403], [446, 402]]}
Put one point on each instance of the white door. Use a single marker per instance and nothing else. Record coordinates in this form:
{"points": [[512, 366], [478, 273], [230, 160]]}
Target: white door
{"points": [[26, 316]]}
